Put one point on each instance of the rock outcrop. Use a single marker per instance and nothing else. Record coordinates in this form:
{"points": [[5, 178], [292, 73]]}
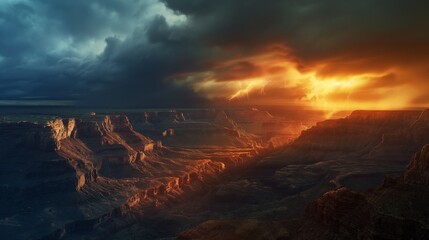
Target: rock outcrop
{"points": [[335, 205], [61, 129], [93, 170]]}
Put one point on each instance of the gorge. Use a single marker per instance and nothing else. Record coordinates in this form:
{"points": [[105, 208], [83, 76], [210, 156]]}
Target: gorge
{"points": [[152, 175]]}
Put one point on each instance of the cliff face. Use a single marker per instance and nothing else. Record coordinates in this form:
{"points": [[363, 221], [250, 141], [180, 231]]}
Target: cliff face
{"points": [[119, 128], [119, 131], [374, 135], [30, 170], [93, 146], [418, 170], [61, 129], [82, 173], [74, 176], [404, 140], [399, 117]]}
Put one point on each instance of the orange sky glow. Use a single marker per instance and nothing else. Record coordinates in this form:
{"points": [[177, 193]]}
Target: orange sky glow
{"points": [[276, 77]]}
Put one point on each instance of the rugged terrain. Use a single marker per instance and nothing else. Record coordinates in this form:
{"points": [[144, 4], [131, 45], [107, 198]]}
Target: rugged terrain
{"points": [[393, 208], [65, 176], [211, 174], [397, 209]]}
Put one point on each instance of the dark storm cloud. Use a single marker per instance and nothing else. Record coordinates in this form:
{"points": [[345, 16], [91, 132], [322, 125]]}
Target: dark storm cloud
{"points": [[35, 27], [313, 29], [48, 48], [47, 45], [144, 65], [82, 19]]}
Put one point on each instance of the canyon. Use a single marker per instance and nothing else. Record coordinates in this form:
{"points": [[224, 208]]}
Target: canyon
{"points": [[72, 174], [391, 206], [396, 209], [213, 174]]}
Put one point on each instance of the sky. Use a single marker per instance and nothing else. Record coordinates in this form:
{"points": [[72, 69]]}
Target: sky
{"points": [[332, 55]]}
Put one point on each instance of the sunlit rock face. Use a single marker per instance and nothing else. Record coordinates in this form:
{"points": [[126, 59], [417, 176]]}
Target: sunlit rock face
{"points": [[398, 117], [377, 135], [155, 174], [61, 129], [72, 174]]}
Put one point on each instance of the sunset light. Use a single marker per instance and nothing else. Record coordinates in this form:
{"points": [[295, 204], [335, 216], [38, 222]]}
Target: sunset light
{"points": [[203, 119], [271, 76]]}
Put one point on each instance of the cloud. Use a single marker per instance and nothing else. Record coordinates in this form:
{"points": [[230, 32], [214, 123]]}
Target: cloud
{"points": [[201, 52], [67, 50]]}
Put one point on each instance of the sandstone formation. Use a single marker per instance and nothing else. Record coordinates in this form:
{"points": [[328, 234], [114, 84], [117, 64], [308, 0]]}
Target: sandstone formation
{"points": [[75, 174], [102, 175]]}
